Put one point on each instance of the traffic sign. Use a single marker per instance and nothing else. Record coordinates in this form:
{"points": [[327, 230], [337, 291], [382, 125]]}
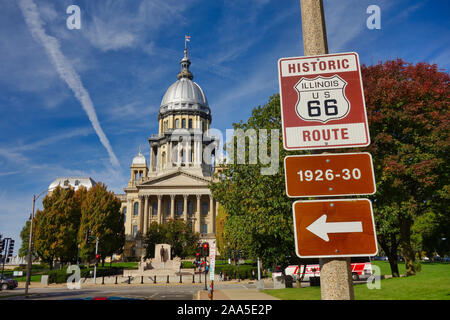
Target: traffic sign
{"points": [[212, 260], [334, 228], [335, 174], [322, 102]]}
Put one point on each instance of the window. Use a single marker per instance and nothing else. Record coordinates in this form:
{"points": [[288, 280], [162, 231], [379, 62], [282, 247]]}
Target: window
{"points": [[155, 208], [166, 125], [124, 214], [177, 123], [136, 208], [180, 207], [183, 123], [190, 207], [168, 207], [134, 231], [77, 183], [204, 228], [205, 207], [190, 123]]}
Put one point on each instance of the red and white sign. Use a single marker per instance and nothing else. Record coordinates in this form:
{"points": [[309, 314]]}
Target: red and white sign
{"points": [[334, 228], [212, 260], [322, 102]]}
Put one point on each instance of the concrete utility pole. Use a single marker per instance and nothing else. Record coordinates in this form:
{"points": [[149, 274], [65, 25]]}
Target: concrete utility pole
{"points": [[335, 273]]}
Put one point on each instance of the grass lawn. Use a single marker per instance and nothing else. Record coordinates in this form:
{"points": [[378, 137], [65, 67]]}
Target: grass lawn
{"points": [[432, 283]]}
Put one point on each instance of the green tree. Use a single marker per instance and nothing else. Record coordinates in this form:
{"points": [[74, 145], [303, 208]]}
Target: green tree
{"points": [[259, 218], [25, 236], [101, 215], [57, 226], [408, 115], [177, 233]]}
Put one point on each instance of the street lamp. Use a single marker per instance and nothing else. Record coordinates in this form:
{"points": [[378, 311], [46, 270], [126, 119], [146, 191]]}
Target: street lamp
{"points": [[30, 243]]}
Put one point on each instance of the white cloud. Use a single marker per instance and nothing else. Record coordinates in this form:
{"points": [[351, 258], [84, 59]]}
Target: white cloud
{"points": [[65, 71]]}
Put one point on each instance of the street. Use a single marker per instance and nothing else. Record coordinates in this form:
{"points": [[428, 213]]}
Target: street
{"points": [[133, 291]]}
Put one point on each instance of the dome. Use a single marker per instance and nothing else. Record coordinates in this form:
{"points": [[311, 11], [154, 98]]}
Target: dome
{"points": [[139, 160], [184, 94]]}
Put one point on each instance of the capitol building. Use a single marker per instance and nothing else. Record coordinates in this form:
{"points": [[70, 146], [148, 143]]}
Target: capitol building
{"points": [[171, 181]]}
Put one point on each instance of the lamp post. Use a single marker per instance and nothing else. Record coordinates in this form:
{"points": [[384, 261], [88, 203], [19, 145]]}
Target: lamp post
{"points": [[30, 241]]}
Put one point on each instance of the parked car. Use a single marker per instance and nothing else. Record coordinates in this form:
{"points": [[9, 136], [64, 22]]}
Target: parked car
{"points": [[7, 283], [380, 258]]}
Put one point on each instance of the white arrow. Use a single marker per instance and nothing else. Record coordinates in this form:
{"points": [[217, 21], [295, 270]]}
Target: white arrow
{"points": [[321, 227]]}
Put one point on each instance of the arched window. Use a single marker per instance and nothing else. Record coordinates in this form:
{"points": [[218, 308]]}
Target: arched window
{"points": [[190, 123], [205, 228], [136, 208], [177, 123], [183, 123]]}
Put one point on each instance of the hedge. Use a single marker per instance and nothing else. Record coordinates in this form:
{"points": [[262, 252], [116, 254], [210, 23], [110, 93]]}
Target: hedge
{"points": [[60, 276]]}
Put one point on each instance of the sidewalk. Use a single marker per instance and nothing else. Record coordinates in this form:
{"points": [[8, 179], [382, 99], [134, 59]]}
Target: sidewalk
{"points": [[235, 294]]}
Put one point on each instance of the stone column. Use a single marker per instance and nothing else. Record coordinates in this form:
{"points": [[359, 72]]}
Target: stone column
{"points": [[172, 206], [198, 227], [159, 208], [141, 214], [185, 209], [169, 154], [146, 214], [211, 214], [129, 217]]}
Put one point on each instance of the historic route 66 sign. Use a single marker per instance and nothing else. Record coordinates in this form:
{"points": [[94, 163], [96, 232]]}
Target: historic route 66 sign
{"points": [[322, 99], [322, 102]]}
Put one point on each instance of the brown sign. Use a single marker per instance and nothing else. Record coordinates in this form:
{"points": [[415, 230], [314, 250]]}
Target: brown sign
{"points": [[323, 175], [334, 228]]}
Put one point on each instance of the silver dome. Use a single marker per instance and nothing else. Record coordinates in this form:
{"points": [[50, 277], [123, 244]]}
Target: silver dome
{"points": [[184, 94]]}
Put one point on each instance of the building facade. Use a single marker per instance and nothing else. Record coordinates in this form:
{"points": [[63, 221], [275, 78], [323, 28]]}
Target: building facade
{"points": [[73, 182], [173, 183]]}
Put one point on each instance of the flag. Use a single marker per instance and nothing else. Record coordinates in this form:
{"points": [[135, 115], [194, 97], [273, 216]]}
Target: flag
{"points": [[187, 38]]}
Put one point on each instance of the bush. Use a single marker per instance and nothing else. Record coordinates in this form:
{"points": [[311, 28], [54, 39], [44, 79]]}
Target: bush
{"points": [[60, 276], [245, 271]]}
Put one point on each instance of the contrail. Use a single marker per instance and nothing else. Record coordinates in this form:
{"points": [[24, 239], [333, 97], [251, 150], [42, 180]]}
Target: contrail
{"points": [[65, 70]]}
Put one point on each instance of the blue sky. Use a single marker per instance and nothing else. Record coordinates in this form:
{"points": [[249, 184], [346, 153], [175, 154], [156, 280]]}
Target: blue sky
{"points": [[81, 102]]}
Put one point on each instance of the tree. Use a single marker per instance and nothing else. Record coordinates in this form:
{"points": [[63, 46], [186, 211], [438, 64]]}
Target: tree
{"points": [[57, 226], [407, 108], [101, 215], [177, 233], [221, 241], [25, 236], [259, 218]]}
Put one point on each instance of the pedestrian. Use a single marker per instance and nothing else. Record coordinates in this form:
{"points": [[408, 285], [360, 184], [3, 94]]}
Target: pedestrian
{"points": [[220, 275]]}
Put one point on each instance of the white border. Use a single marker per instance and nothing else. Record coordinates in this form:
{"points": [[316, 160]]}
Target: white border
{"points": [[340, 255], [366, 123], [329, 195]]}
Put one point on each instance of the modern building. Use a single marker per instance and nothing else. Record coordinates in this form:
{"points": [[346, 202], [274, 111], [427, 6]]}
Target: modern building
{"points": [[172, 183]]}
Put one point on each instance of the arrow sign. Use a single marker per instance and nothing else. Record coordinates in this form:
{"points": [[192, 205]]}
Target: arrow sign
{"points": [[334, 228], [322, 228]]}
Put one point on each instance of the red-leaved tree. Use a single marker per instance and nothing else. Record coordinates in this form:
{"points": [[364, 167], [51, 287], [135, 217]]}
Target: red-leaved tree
{"points": [[408, 113]]}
